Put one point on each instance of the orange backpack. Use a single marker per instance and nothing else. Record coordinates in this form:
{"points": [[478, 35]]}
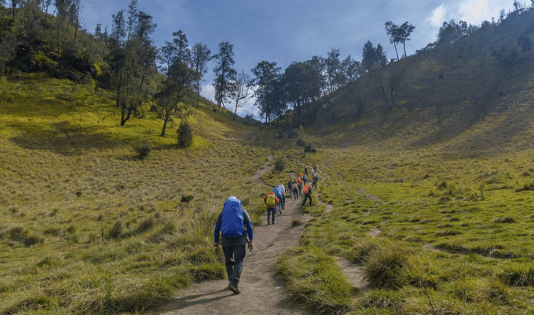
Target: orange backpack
{"points": [[306, 189]]}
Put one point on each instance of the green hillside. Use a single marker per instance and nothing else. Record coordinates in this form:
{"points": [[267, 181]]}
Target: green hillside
{"points": [[87, 226], [431, 199]]}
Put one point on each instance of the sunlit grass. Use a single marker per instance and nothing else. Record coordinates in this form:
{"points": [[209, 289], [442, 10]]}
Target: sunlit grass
{"points": [[89, 228]]}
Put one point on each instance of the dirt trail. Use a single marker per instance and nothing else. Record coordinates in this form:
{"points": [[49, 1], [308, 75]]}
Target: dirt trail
{"points": [[262, 292]]}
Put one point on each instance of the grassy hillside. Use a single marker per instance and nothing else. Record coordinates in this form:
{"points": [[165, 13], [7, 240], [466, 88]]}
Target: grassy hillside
{"points": [[89, 228]]}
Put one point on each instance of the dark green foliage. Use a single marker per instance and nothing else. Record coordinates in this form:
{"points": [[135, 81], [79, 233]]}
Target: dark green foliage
{"points": [[116, 231], [143, 148], [279, 164], [185, 134]]}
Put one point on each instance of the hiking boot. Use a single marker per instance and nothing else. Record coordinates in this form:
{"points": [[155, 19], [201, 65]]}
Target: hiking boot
{"points": [[273, 222], [233, 288]]}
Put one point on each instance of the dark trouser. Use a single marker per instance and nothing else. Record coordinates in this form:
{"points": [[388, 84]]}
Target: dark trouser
{"points": [[300, 189], [234, 255], [296, 193], [315, 183], [269, 212], [306, 196], [283, 200]]}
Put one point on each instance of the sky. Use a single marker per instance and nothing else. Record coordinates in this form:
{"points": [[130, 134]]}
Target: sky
{"points": [[286, 31]]}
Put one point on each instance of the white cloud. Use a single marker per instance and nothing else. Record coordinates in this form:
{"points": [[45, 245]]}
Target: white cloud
{"points": [[438, 16], [476, 11]]}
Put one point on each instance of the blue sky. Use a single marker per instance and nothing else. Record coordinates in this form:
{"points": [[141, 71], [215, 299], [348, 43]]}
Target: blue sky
{"points": [[284, 31]]}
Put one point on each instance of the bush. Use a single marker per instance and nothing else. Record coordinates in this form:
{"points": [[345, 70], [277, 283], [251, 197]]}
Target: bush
{"points": [[185, 135], [143, 148], [116, 231], [384, 269], [279, 164], [301, 143]]}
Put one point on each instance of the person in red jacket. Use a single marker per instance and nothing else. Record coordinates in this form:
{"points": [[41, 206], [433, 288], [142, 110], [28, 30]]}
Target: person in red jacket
{"points": [[271, 200]]}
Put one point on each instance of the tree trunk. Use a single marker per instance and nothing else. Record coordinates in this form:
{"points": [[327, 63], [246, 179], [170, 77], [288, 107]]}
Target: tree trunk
{"points": [[164, 125], [395, 45], [123, 118]]}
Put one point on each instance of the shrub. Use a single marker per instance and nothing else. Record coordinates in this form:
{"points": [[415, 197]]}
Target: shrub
{"points": [[144, 226], [279, 164], [185, 134], [116, 231], [143, 148], [384, 269], [301, 143]]}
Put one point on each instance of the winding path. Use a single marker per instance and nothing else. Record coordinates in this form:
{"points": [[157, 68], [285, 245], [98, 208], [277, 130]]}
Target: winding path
{"points": [[262, 292]]}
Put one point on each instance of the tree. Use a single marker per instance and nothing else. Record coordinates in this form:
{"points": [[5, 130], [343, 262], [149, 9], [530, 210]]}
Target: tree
{"points": [[373, 57], [176, 87], [351, 68], [224, 72], [267, 75], [334, 74], [390, 84], [183, 54], [405, 30], [200, 56], [303, 85], [166, 55], [394, 37], [525, 43], [240, 90], [132, 62]]}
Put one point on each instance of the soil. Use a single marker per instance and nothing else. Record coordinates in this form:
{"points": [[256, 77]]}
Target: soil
{"points": [[262, 291]]}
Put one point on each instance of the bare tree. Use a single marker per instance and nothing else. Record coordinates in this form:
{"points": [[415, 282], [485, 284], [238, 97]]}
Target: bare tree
{"points": [[240, 90], [390, 83]]}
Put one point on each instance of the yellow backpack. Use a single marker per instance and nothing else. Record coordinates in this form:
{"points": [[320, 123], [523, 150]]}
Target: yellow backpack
{"points": [[271, 200]]}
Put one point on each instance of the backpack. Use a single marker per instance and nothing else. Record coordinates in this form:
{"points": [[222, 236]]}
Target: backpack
{"points": [[277, 192], [306, 189], [271, 200], [305, 177], [295, 186], [300, 175], [232, 220]]}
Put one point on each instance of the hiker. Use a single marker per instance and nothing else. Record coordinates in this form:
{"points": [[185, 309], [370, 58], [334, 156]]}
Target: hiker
{"points": [[307, 190], [278, 195], [305, 178], [315, 179], [295, 191], [232, 223], [299, 185], [290, 188], [305, 170], [282, 190], [271, 201], [315, 168]]}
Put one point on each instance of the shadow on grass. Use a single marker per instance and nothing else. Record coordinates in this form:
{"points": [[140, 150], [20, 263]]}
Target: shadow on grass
{"points": [[65, 140], [184, 302]]}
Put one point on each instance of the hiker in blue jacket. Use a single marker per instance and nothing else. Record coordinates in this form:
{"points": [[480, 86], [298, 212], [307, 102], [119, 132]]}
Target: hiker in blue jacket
{"points": [[233, 222]]}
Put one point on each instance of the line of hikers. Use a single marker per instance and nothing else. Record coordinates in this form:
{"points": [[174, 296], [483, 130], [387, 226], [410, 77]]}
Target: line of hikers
{"points": [[276, 199], [235, 226]]}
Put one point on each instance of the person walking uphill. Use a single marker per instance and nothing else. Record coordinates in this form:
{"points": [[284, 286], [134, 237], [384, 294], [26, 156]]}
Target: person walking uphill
{"points": [[270, 200], [307, 191], [232, 222]]}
